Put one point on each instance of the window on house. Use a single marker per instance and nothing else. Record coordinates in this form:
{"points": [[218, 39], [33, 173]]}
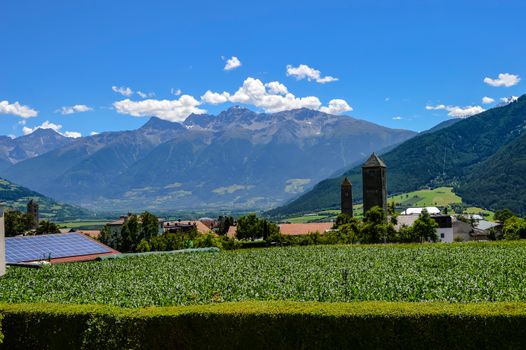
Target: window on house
{"points": [[441, 235]]}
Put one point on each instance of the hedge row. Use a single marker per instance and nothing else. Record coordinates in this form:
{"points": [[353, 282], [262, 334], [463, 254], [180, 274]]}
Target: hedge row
{"points": [[266, 325]]}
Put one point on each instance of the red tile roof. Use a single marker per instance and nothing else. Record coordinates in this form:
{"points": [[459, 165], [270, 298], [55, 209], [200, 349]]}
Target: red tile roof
{"points": [[293, 229], [304, 229]]}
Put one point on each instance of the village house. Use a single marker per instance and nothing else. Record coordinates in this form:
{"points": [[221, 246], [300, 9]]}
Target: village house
{"points": [[474, 228], [444, 221], [115, 227], [183, 226]]}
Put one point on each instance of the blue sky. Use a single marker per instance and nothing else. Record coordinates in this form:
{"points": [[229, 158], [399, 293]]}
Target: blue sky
{"points": [[387, 60]]}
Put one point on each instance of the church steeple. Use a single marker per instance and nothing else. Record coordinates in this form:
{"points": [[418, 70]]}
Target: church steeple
{"points": [[346, 197]]}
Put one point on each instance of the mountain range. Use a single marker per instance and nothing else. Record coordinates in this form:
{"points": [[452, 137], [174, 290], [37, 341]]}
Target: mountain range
{"points": [[15, 150], [237, 159], [483, 157]]}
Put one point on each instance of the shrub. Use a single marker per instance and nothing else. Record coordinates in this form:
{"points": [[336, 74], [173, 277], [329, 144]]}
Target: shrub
{"points": [[264, 325]]}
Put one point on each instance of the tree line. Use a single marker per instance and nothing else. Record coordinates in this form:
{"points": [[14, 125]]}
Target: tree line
{"points": [[18, 223]]}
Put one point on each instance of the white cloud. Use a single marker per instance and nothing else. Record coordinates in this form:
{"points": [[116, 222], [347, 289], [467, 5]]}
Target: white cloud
{"points": [[273, 97], [397, 118], [73, 134], [276, 88], [74, 109], [17, 109], [504, 79], [434, 108], [123, 90], [175, 92], [232, 63], [387, 99], [145, 94], [254, 92], [458, 112], [48, 125], [305, 72], [336, 106], [487, 100], [173, 110], [93, 133], [464, 112], [509, 99], [215, 98]]}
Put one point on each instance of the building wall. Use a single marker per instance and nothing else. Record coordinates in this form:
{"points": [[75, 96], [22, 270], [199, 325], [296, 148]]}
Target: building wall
{"points": [[445, 234], [461, 230], [2, 242]]}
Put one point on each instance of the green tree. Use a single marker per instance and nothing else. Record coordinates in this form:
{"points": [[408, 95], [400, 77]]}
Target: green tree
{"points": [[342, 219], [143, 246], [247, 227], [350, 232], [16, 223], [424, 228], [406, 234], [45, 227], [130, 234], [106, 237], [514, 228], [503, 215], [149, 225], [224, 223], [251, 227], [375, 227]]}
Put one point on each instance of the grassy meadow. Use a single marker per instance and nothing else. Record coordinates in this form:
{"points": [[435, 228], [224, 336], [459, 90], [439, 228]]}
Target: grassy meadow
{"points": [[441, 196]]}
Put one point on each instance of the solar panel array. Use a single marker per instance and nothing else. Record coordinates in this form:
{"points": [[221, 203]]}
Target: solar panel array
{"points": [[43, 247]]}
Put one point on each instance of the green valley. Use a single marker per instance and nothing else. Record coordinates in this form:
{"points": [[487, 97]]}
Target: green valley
{"points": [[440, 196]]}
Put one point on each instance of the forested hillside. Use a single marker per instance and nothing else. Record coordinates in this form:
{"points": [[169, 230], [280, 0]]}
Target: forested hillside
{"points": [[481, 157]]}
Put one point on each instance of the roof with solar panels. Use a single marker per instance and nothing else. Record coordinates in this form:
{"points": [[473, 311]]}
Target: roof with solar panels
{"points": [[54, 248]]}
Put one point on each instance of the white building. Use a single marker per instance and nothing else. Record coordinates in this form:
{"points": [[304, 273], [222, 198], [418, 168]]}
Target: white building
{"points": [[444, 229], [418, 211], [2, 242]]}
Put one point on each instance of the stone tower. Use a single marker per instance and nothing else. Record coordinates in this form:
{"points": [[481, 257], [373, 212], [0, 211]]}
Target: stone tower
{"points": [[346, 197], [374, 183], [32, 210]]}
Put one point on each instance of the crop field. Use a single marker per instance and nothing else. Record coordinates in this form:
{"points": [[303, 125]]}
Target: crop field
{"points": [[464, 272], [84, 224]]}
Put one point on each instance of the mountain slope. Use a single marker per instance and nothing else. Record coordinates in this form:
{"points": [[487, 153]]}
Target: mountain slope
{"points": [[28, 146], [238, 158], [445, 156], [16, 197], [498, 182]]}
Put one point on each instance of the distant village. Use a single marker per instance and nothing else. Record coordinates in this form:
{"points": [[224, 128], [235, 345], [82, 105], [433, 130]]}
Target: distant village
{"points": [[45, 242]]}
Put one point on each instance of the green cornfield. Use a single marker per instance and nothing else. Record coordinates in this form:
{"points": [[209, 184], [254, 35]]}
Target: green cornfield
{"points": [[458, 273]]}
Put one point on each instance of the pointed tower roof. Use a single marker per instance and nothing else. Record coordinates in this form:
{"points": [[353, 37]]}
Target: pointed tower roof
{"points": [[374, 162], [346, 182]]}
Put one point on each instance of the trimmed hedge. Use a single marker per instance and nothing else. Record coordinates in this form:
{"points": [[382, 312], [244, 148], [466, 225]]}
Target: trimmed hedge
{"points": [[264, 325]]}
